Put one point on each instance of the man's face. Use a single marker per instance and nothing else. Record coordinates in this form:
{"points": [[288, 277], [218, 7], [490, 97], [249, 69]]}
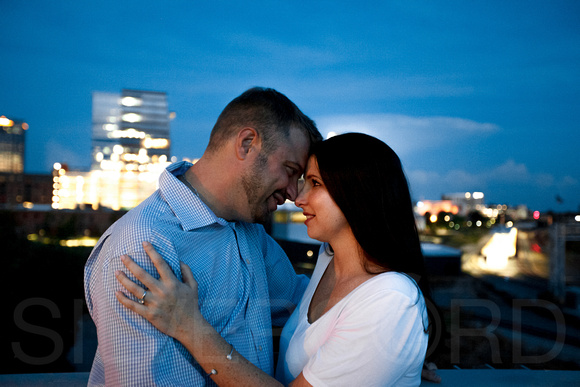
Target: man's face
{"points": [[273, 179]]}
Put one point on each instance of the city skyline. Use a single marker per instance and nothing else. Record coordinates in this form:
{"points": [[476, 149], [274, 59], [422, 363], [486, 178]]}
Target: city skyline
{"points": [[472, 96]]}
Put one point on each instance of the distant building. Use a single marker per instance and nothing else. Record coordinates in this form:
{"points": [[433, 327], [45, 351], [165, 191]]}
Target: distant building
{"points": [[130, 130], [130, 148], [18, 190], [12, 135], [436, 206], [467, 202]]}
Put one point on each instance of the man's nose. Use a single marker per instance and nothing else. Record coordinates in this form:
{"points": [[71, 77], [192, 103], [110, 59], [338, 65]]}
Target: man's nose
{"points": [[292, 191]]}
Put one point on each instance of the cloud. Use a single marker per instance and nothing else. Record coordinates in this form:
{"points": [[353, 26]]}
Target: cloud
{"points": [[431, 184], [569, 181], [406, 133], [508, 171]]}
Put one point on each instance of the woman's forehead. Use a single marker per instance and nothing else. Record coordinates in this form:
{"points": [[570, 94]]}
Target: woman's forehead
{"points": [[312, 165]]}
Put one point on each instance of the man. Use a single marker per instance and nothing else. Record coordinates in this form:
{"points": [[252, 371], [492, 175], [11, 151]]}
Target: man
{"points": [[205, 215]]}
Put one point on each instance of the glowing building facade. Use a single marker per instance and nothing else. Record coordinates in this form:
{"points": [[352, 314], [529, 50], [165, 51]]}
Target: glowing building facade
{"points": [[12, 145], [132, 127], [130, 149], [467, 201]]}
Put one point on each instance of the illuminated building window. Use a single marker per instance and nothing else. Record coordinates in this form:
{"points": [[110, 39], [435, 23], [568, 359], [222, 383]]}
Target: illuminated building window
{"points": [[131, 101]]}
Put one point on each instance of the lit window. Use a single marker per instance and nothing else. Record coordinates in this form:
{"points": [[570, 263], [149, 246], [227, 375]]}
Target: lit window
{"points": [[156, 143], [131, 101], [132, 117], [128, 133], [5, 121]]}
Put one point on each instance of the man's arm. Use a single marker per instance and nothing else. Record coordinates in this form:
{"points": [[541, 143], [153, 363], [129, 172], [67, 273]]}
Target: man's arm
{"points": [[131, 349]]}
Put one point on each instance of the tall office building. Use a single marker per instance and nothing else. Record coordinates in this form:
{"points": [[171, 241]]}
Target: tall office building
{"points": [[130, 130], [12, 133], [130, 149]]}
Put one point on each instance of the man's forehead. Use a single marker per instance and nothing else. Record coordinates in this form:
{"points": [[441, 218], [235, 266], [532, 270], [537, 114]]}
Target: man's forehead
{"points": [[298, 145]]}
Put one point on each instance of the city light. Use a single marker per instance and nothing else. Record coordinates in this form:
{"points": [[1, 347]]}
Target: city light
{"points": [[131, 117], [5, 121], [499, 248], [131, 101], [127, 133], [156, 143]]}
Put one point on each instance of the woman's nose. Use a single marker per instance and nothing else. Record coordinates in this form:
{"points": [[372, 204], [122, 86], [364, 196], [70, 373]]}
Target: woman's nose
{"points": [[301, 197]]}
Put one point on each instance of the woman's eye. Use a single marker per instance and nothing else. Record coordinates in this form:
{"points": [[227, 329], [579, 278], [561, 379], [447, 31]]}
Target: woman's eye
{"points": [[315, 183]]}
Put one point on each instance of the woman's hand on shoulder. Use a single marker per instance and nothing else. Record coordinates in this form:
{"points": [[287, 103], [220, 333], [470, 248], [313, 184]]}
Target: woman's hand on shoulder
{"points": [[167, 303]]}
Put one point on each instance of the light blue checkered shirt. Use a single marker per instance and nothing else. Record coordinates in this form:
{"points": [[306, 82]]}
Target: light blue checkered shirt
{"points": [[246, 285]]}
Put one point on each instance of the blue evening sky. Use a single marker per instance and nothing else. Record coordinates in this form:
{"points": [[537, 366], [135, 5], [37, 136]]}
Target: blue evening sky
{"points": [[478, 95]]}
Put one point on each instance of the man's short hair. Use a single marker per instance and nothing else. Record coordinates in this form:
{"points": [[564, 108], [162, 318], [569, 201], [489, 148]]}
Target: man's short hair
{"points": [[266, 110]]}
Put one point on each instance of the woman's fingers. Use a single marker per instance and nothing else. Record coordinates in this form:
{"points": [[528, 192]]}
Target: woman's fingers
{"points": [[131, 286], [188, 278], [130, 304], [140, 273], [161, 265]]}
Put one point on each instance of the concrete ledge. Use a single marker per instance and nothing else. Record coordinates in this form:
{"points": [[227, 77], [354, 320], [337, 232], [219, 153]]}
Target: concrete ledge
{"points": [[491, 377], [472, 378], [69, 379]]}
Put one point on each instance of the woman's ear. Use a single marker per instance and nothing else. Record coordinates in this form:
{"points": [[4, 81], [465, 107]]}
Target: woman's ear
{"points": [[248, 141]]}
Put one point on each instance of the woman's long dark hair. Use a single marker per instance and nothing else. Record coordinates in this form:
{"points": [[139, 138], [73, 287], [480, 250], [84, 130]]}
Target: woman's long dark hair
{"points": [[365, 178]]}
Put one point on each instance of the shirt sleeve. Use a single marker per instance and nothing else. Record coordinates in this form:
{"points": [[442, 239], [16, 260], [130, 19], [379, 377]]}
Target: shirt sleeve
{"points": [[131, 350], [376, 340], [284, 285]]}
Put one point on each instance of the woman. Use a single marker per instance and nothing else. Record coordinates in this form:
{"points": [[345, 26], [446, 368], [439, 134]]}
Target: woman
{"points": [[362, 319]]}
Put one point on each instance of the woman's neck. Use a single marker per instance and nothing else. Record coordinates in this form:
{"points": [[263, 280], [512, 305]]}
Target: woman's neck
{"points": [[348, 259]]}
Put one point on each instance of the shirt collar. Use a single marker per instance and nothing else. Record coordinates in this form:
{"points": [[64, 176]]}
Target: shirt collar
{"points": [[191, 211]]}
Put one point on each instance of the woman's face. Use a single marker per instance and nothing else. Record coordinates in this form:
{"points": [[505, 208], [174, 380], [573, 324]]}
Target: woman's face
{"points": [[324, 219]]}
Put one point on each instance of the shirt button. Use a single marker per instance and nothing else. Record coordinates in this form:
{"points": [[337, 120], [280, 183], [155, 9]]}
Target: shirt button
{"points": [[260, 348], [248, 261]]}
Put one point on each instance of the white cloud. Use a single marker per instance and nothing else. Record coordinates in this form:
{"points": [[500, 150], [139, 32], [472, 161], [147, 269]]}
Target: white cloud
{"points": [[406, 133], [431, 184], [569, 181], [508, 171]]}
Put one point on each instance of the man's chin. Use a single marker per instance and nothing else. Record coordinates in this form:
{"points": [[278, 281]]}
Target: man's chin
{"points": [[263, 216]]}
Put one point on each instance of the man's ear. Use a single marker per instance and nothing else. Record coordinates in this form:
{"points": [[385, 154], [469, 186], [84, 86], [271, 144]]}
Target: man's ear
{"points": [[248, 141]]}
